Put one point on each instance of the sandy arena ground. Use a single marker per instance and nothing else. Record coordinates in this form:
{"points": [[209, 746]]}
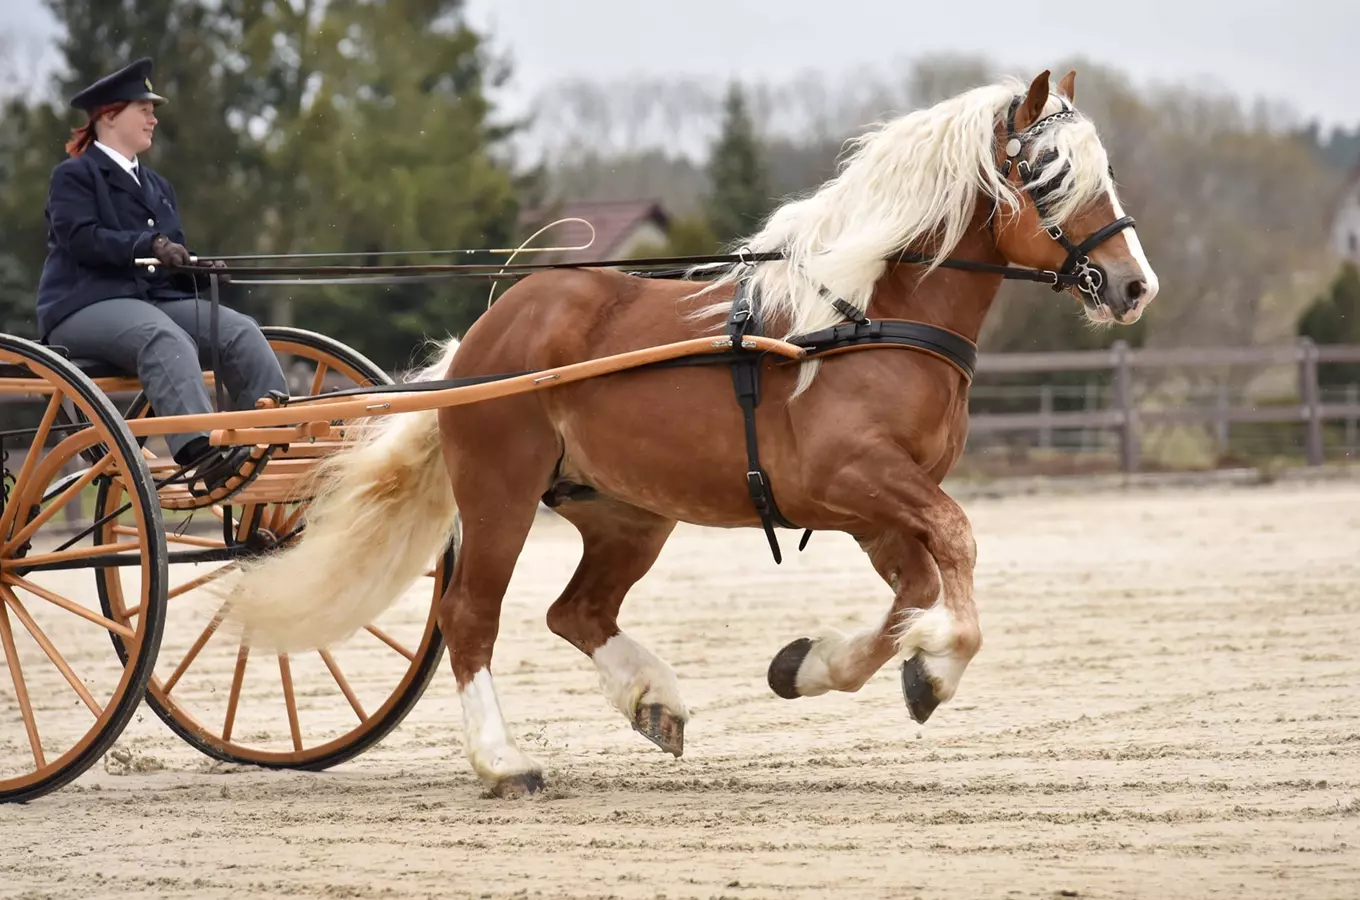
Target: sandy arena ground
{"points": [[1167, 704]]}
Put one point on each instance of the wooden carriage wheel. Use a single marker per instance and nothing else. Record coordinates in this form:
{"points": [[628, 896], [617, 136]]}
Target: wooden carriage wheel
{"points": [[69, 698], [304, 711]]}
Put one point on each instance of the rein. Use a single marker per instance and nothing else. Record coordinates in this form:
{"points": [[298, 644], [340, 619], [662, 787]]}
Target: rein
{"points": [[665, 266]]}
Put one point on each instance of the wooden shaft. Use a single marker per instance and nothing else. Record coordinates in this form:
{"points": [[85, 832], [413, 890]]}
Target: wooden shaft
{"points": [[381, 404]]}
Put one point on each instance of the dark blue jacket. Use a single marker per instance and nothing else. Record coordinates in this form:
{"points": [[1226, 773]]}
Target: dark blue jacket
{"points": [[99, 219]]}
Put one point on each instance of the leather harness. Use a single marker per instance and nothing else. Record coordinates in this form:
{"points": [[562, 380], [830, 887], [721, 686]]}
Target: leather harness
{"points": [[745, 319]]}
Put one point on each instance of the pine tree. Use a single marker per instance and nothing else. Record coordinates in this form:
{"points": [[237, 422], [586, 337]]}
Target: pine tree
{"points": [[1334, 318], [740, 197]]}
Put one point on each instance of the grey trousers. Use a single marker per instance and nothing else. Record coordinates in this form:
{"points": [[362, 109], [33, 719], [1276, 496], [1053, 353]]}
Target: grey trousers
{"points": [[155, 341]]}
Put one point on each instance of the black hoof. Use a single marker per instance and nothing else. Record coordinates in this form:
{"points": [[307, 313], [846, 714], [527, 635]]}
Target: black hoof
{"points": [[783, 672], [661, 728], [516, 787], [918, 690]]}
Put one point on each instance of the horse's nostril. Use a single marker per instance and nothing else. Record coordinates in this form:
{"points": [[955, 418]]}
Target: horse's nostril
{"points": [[1136, 289]]}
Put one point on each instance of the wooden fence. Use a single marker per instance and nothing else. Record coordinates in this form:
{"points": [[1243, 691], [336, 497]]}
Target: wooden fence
{"points": [[1121, 363], [1123, 414]]}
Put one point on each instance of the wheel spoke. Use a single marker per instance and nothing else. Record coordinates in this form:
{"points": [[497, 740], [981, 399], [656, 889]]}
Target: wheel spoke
{"points": [[186, 587], [20, 688], [50, 649], [70, 606], [197, 648], [31, 459], [340, 680], [172, 538], [318, 379], [389, 641], [58, 502], [237, 677], [293, 519], [286, 674], [44, 559]]}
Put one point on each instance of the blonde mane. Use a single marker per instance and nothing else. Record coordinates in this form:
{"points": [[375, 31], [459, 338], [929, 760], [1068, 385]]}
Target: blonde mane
{"points": [[906, 182]]}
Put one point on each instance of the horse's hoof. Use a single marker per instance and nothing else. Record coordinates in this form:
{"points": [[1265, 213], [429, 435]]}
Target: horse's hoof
{"points": [[661, 728], [516, 787], [918, 690], [783, 672]]}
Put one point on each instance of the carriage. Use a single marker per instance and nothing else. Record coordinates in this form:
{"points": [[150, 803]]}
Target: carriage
{"points": [[143, 554], [332, 652]]}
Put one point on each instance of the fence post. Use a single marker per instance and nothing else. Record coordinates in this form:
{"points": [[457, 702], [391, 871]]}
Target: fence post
{"points": [[1123, 389], [1352, 400], [1221, 425], [1089, 402], [1311, 408], [1046, 416]]}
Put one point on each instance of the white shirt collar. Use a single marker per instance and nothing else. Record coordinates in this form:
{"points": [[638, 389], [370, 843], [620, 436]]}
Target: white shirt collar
{"points": [[129, 165]]}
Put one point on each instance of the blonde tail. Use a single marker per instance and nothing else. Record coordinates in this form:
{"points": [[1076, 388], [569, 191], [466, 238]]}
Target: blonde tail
{"points": [[383, 510]]}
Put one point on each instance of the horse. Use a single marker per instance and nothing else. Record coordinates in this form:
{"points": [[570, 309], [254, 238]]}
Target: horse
{"points": [[925, 216]]}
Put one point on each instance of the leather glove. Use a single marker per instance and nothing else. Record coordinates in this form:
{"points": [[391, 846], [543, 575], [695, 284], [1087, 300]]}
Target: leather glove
{"points": [[168, 252], [223, 279]]}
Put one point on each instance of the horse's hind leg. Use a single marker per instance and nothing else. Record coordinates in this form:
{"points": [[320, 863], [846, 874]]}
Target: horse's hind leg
{"points": [[498, 491], [839, 662], [619, 545]]}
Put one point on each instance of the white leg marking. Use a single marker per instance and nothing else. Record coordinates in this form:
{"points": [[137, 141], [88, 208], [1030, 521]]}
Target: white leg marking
{"points": [[490, 748], [836, 662], [631, 676], [1130, 236], [933, 633]]}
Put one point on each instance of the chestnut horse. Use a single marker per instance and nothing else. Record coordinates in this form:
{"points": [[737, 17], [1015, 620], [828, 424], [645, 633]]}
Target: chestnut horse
{"points": [[858, 442]]}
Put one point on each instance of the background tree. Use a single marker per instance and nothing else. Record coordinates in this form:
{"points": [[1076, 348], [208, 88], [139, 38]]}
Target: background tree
{"points": [[302, 126], [739, 195], [1334, 318]]}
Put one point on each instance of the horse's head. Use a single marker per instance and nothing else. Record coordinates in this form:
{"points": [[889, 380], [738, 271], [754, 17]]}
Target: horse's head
{"points": [[1067, 216]]}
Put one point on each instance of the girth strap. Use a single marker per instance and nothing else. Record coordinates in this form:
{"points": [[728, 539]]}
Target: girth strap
{"points": [[742, 321]]}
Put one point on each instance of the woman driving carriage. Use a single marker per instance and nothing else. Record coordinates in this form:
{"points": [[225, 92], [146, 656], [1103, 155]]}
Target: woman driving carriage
{"points": [[105, 209]]}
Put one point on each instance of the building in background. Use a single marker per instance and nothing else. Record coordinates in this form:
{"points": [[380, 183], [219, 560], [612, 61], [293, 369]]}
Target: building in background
{"points": [[1346, 222], [621, 227]]}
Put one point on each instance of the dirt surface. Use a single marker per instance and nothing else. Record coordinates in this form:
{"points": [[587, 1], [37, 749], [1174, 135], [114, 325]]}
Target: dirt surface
{"points": [[1166, 704]]}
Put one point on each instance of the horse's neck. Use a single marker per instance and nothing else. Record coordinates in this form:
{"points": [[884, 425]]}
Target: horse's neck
{"points": [[949, 298]]}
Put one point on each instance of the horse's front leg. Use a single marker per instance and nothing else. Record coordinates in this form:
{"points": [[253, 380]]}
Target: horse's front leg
{"points": [[834, 661], [915, 529]]}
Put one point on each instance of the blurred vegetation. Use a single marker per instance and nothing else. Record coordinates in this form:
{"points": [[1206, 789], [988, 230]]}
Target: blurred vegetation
{"points": [[362, 126]]}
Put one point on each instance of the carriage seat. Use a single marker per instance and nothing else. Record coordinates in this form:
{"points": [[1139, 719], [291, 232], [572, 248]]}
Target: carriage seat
{"points": [[93, 368]]}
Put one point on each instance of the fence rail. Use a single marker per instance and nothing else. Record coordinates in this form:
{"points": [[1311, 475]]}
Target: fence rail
{"points": [[1129, 420], [1124, 416]]}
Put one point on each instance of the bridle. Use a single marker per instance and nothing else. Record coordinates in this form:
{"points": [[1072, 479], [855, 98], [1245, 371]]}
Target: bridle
{"points": [[1089, 277]]}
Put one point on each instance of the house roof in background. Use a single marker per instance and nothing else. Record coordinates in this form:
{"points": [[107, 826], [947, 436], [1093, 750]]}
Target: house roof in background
{"points": [[614, 221]]}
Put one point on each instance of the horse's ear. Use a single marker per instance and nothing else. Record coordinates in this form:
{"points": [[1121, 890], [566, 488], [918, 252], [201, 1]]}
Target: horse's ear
{"points": [[1068, 85], [1033, 107]]}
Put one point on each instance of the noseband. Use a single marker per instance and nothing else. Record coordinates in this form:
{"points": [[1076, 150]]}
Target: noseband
{"points": [[1089, 277]]}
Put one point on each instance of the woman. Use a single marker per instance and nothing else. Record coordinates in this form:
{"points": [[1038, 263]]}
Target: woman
{"points": [[104, 210]]}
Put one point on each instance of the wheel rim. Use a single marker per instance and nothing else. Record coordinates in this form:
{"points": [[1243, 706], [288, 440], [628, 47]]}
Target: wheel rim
{"points": [[52, 656], [302, 711]]}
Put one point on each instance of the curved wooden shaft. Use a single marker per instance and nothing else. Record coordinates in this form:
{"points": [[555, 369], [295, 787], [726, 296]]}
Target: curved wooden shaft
{"points": [[385, 403]]}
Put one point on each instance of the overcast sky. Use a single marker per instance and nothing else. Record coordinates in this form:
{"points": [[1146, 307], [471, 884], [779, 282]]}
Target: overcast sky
{"points": [[1305, 53]]}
